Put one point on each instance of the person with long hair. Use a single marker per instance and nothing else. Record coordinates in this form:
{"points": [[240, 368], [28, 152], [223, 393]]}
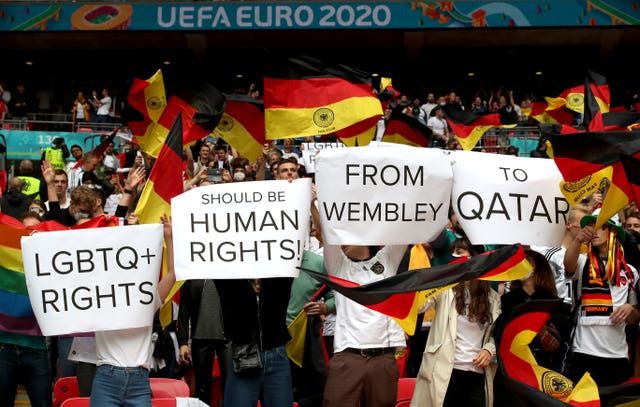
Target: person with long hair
{"points": [[460, 350], [549, 346]]}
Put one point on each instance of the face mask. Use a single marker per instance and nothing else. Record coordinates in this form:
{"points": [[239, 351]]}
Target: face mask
{"points": [[81, 215], [443, 104], [238, 176]]}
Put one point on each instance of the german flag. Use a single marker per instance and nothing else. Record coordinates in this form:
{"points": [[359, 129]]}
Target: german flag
{"points": [[543, 112], [404, 129], [396, 296], [592, 116], [620, 121], [470, 127], [148, 96], [574, 97], [155, 134], [582, 154], [631, 168], [165, 182], [242, 125], [359, 134], [314, 99], [524, 378]]}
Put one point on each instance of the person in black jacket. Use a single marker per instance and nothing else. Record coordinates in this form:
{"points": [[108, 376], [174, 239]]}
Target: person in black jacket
{"points": [[200, 320], [254, 314], [254, 311]]}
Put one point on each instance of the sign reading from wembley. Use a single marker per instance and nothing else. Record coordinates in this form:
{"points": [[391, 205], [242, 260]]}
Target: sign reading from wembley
{"points": [[316, 15]]}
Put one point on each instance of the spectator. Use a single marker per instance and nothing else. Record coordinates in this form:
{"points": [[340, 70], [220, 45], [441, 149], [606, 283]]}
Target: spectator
{"points": [[76, 154], [32, 184], [14, 202], [90, 163], [254, 314], [81, 110], [102, 105], [57, 154], [20, 105], [460, 348], [289, 150], [604, 281], [439, 129], [200, 323]]}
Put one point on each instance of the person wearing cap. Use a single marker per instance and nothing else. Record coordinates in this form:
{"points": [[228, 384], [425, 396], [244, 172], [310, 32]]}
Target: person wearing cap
{"points": [[607, 297], [57, 154]]}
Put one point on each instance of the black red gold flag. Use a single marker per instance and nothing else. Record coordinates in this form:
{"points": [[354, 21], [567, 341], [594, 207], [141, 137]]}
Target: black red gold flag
{"points": [[595, 89], [404, 129], [165, 182], [315, 99], [524, 378], [470, 127], [582, 154], [242, 125], [395, 296]]}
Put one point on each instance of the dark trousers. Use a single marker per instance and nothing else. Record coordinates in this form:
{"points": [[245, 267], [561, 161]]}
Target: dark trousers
{"points": [[203, 352], [605, 371], [473, 385], [28, 366]]}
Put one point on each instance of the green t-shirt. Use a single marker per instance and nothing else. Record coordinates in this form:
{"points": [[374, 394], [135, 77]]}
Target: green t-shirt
{"points": [[28, 341]]}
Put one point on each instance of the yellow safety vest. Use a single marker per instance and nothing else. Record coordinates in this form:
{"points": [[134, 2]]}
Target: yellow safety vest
{"points": [[54, 155], [31, 186]]}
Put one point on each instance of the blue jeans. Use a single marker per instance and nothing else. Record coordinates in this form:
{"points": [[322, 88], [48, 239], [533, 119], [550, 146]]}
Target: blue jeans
{"points": [[271, 384], [121, 387], [19, 364]]}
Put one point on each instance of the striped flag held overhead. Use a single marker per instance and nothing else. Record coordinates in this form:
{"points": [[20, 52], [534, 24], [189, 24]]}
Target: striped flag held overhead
{"points": [[165, 182], [313, 99], [404, 129], [470, 127], [242, 125], [399, 296]]}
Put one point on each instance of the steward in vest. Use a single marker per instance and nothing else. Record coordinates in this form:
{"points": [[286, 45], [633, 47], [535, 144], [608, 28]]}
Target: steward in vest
{"points": [[31, 186], [57, 154]]}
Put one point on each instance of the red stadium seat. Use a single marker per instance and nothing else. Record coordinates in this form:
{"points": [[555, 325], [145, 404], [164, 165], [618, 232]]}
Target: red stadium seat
{"points": [[163, 402], [405, 390], [65, 388], [76, 402], [168, 388]]}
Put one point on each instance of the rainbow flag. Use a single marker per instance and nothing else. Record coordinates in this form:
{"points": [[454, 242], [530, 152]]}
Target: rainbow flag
{"points": [[16, 314]]}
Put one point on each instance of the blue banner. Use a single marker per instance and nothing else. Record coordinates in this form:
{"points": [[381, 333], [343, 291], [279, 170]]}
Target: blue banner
{"points": [[29, 145], [318, 15]]}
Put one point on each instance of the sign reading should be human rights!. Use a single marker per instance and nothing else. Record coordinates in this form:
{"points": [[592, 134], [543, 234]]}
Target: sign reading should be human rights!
{"points": [[241, 229]]}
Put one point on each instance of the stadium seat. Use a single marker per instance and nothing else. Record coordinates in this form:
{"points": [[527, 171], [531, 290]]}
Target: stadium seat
{"points": [[65, 388], [405, 390], [167, 388], [163, 402], [76, 402]]}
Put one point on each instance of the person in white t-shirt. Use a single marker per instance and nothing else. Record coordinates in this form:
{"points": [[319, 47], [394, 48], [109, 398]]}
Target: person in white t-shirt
{"points": [[439, 128], [363, 366], [607, 297], [103, 106], [122, 375]]}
